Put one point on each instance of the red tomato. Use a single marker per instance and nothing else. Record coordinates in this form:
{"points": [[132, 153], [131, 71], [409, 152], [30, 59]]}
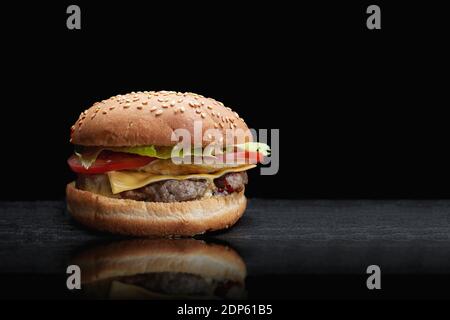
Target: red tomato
{"points": [[110, 161]]}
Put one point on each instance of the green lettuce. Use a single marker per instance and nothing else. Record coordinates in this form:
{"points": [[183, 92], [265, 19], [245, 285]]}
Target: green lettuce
{"points": [[254, 147], [148, 151], [88, 155]]}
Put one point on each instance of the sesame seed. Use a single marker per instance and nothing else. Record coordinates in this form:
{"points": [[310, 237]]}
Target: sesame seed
{"points": [[236, 114], [198, 111], [228, 108], [203, 115], [104, 112], [160, 99], [165, 105], [221, 125], [192, 104], [126, 106], [209, 136], [157, 113], [216, 125], [231, 126], [111, 108], [127, 100], [153, 108], [139, 107], [182, 109], [180, 100], [144, 103], [209, 107], [172, 103]]}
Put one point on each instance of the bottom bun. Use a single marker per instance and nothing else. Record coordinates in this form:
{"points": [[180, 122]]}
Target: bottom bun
{"points": [[140, 218]]}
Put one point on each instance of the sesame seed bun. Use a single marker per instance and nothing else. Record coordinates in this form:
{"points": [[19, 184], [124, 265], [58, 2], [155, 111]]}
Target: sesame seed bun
{"points": [[150, 118], [140, 218]]}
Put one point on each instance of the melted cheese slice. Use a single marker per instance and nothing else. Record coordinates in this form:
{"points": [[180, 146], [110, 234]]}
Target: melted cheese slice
{"points": [[129, 180]]}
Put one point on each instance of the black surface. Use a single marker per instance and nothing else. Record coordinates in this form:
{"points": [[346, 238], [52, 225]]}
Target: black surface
{"points": [[319, 245], [361, 113]]}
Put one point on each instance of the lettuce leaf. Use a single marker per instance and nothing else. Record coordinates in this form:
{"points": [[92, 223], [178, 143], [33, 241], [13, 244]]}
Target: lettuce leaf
{"points": [[148, 151], [253, 147], [88, 155]]}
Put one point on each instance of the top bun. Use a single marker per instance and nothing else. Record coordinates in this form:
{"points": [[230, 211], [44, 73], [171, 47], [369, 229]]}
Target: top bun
{"points": [[149, 118]]}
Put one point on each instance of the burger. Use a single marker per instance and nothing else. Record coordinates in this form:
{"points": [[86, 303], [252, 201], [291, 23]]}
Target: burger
{"points": [[161, 269], [160, 164]]}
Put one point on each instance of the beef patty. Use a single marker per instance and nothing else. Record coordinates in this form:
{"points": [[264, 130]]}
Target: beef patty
{"points": [[185, 190], [170, 190]]}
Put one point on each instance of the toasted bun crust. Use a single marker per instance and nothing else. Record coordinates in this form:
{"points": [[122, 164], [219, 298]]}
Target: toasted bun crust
{"points": [[140, 218], [150, 118], [130, 257]]}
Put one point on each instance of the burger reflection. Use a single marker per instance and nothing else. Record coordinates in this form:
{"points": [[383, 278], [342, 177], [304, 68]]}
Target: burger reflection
{"points": [[162, 269]]}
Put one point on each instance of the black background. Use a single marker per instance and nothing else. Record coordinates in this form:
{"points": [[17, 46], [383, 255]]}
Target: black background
{"points": [[361, 113]]}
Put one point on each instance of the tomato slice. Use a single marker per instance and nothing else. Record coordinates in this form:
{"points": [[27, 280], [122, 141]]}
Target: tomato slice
{"points": [[110, 161]]}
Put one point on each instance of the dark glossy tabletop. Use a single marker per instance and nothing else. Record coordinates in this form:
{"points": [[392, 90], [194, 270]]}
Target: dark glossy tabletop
{"points": [[284, 243]]}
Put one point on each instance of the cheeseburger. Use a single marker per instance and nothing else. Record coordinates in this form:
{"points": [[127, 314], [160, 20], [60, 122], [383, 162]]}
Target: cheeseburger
{"points": [[161, 269], [160, 164]]}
